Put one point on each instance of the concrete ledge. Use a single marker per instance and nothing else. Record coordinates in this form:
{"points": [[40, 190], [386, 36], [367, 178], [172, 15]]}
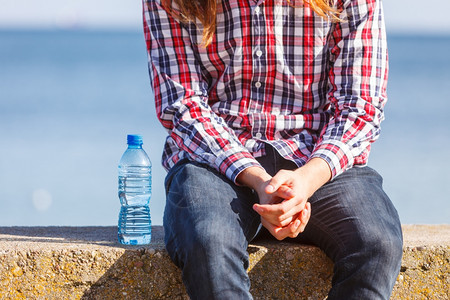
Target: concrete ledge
{"points": [[88, 263]]}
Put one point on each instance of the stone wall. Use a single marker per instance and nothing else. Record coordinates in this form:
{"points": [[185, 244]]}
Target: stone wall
{"points": [[88, 263]]}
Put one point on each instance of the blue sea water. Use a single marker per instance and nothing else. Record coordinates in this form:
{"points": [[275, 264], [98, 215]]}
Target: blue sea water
{"points": [[68, 99]]}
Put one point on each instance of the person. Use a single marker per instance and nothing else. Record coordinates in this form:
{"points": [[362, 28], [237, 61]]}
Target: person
{"points": [[271, 107]]}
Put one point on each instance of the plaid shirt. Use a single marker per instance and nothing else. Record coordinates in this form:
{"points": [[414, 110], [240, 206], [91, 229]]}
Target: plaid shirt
{"points": [[274, 74]]}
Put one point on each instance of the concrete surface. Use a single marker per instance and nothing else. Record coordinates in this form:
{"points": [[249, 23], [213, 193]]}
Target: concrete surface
{"points": [[88, 263]]}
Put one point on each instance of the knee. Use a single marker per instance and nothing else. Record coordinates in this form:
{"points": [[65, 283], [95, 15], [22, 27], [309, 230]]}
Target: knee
{"points": [[388, 248], [382, 244], [188, 243], [210, 237], [206, 243]]}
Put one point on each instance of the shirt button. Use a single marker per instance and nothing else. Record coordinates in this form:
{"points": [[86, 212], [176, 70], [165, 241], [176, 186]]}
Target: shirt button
{"points": [[258, 84], [258, 135], [257, 10], [258, 53], [276, 110]]}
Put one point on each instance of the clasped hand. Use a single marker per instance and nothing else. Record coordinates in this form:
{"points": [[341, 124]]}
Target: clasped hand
{"points": [[283, 204], [283, 198]]}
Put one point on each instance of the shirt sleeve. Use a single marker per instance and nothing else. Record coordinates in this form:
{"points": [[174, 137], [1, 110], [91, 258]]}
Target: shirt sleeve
{"points": [[357, 82], [181, 96]]}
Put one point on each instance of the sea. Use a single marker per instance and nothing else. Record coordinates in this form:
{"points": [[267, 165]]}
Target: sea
{"points": [[68, 98]]}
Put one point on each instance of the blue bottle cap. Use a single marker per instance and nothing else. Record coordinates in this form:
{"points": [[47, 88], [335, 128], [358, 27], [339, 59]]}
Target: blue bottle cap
{"points": [[134, 139]]}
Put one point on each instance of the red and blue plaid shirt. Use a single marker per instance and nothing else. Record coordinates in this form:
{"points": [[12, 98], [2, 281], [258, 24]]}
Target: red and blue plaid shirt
{"points": [[273, 74]]}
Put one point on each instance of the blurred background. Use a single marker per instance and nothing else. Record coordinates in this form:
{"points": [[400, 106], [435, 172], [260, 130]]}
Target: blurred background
{"points": [[74, 83]]}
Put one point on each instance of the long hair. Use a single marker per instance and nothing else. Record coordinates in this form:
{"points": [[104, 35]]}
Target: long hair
{"points": [[205, 12]]}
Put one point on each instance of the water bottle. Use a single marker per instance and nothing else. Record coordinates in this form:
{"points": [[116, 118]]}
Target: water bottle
{"points": [[135, 172]]}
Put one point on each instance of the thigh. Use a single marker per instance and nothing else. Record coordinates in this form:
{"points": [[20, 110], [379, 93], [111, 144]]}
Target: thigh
{"points": [[352, 211]]}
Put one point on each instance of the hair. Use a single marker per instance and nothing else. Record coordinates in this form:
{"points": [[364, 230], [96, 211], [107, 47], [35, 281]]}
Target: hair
{"points": [[205, 12]]}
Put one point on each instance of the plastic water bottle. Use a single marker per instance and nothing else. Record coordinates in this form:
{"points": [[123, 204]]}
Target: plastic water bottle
{"points": [[135, 173]]}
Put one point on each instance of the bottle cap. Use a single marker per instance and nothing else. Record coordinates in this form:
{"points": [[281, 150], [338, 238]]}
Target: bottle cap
{"points": [[134, 139]]}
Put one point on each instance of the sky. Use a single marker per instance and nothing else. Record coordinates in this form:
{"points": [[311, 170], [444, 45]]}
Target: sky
{"points": [[404, 16]]}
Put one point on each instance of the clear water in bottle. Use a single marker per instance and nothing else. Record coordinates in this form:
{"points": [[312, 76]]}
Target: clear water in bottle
{"points": [[135, 170]]}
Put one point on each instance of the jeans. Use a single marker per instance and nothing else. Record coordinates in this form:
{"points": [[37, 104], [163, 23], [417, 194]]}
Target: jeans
{"points": [[209, 222]]}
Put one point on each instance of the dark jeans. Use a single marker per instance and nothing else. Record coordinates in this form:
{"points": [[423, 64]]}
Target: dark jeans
{"points": [[209, 222]]}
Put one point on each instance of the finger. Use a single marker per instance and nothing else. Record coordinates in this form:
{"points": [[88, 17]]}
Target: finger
{"points": [[272, 229], [277, 221], [278, 232], [284, 192], [281, 233], [293, 229], [282, 177], [283, 223], [289, 217], [279, 211], [280, 220], [304, 218], [286, 221], [295, 213], [289, 231]]}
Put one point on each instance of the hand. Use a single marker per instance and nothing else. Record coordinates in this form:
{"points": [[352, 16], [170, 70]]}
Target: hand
{"points": [[283, 199], [283, 204], [293, 229]]}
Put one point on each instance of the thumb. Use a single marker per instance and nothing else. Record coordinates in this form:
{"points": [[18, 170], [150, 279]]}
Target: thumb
{"points": [[276, 182], [270, 188]]}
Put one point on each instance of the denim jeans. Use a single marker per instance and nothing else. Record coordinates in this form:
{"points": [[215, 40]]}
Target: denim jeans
{"points": [[209, 222]]}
